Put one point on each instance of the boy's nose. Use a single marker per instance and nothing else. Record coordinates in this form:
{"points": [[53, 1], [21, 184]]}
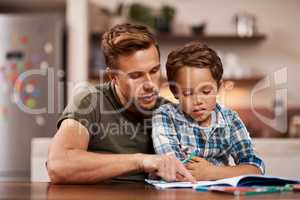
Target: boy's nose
{"points": [[198, 100]]}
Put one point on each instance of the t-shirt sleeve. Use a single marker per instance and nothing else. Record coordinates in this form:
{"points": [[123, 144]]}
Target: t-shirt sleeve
{"points": [[82, 108]]}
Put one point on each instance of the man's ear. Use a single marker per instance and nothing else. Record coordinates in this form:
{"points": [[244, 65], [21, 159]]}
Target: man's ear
{"points": [[110, 75]]}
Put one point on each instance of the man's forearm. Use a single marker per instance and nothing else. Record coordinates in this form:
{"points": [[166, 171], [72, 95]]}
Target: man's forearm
{"points": [[220, 172], [78, 166]]}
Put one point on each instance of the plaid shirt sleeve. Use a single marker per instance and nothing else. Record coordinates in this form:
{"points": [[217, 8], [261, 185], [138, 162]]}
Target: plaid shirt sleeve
{"points": [[164, 134], [242, 149]]}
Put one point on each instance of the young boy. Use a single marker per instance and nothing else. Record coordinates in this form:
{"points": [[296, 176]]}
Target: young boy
{"points": [[199, 125]]}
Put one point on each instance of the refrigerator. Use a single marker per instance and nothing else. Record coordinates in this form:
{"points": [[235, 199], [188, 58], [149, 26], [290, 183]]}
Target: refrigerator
{"points": [[31, 86]]}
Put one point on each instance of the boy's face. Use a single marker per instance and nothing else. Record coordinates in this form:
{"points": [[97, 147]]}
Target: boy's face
{"points": [[197, 91]]}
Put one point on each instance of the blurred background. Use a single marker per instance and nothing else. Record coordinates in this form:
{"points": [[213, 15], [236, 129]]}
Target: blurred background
{"points": [[257, 40]]}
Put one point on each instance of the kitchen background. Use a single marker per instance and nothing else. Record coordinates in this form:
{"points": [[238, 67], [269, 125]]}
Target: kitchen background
{"points": [[258, 41], [267, 51]]}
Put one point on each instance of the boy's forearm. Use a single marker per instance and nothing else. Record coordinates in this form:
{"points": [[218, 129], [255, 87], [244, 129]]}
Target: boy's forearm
{"points": [[220, 172]]}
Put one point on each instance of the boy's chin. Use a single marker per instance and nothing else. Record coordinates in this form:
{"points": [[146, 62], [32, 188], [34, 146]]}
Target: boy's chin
{"points": [[202, 120]]}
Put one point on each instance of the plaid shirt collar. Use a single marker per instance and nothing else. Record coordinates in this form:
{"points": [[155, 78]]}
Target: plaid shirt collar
{"points": [[218, 118]]}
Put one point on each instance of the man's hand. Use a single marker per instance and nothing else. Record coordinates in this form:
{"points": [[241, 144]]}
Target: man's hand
{"points": [[201, 169], [166, 167]]}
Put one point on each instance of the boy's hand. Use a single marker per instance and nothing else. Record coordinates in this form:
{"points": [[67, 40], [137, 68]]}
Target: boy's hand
{"points": [[200, 168], [203, 170]]}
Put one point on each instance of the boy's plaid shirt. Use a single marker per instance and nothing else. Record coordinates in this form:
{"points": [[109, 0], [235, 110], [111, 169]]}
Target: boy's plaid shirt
{"points": [[173, 131]]}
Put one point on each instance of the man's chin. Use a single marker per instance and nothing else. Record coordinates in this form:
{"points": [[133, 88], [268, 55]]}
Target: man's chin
{"points": [[146, 106]]}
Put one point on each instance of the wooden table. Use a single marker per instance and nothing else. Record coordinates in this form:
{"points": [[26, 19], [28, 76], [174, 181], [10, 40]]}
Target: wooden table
{"points": [[114, 190]]}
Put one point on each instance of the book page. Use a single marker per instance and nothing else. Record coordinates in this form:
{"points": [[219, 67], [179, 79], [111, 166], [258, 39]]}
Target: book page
{"points": [[235, 181]]}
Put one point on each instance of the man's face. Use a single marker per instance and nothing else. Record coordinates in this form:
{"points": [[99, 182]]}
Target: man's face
{"points": [[196, 93], [138, 78]]}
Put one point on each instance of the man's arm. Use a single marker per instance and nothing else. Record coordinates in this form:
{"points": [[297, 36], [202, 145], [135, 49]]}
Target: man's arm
{"points": [[70, 162]]}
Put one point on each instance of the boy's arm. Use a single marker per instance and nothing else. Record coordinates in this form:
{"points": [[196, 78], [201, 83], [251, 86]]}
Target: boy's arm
{"points": [[231, 171], [203, 170], [242, 152], [164, 134], [242, 149]]}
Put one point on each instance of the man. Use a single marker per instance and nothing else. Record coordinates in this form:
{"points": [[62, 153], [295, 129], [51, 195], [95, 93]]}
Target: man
{"points": [[106, 133]]}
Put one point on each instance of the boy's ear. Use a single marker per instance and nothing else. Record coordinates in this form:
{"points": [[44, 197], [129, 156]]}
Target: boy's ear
{"points": [[173, 91], [175, 95], [228, 85], [221, 84]]}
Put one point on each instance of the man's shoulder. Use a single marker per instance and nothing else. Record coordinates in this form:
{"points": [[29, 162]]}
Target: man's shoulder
{"points": [[161, 101], [90, 91], [103, 87], [88, 95]]}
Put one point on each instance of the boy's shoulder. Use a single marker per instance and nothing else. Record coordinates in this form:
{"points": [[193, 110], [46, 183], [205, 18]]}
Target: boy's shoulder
{"points": [[169, 108], [229, 118], [227, 114]]}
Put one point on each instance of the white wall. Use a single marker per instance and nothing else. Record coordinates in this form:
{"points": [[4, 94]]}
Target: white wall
{"points": [[78, 43], [278, 19], [281, 156]]}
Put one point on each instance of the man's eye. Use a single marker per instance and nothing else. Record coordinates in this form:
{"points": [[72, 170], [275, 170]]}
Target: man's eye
{"points": [[153, 71], [135, 75]]}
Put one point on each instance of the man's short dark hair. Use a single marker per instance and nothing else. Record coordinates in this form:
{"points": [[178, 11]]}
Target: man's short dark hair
{"points": [[194, 54], [125, 39]]}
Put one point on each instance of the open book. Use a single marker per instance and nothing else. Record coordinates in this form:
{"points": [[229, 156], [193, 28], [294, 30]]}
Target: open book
{"points": [[247, 180]]}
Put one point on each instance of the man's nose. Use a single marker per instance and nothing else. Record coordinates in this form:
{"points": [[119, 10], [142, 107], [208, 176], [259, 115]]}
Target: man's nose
{"points": [[148, 84], [148, 77]]}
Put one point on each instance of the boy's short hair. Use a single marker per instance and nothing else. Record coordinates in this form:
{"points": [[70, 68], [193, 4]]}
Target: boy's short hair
{"points": [[194, 54], [125, 39]]}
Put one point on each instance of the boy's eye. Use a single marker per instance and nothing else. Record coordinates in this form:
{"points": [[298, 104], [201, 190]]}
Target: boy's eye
{"points": [[187, 93], [206, 91]]}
